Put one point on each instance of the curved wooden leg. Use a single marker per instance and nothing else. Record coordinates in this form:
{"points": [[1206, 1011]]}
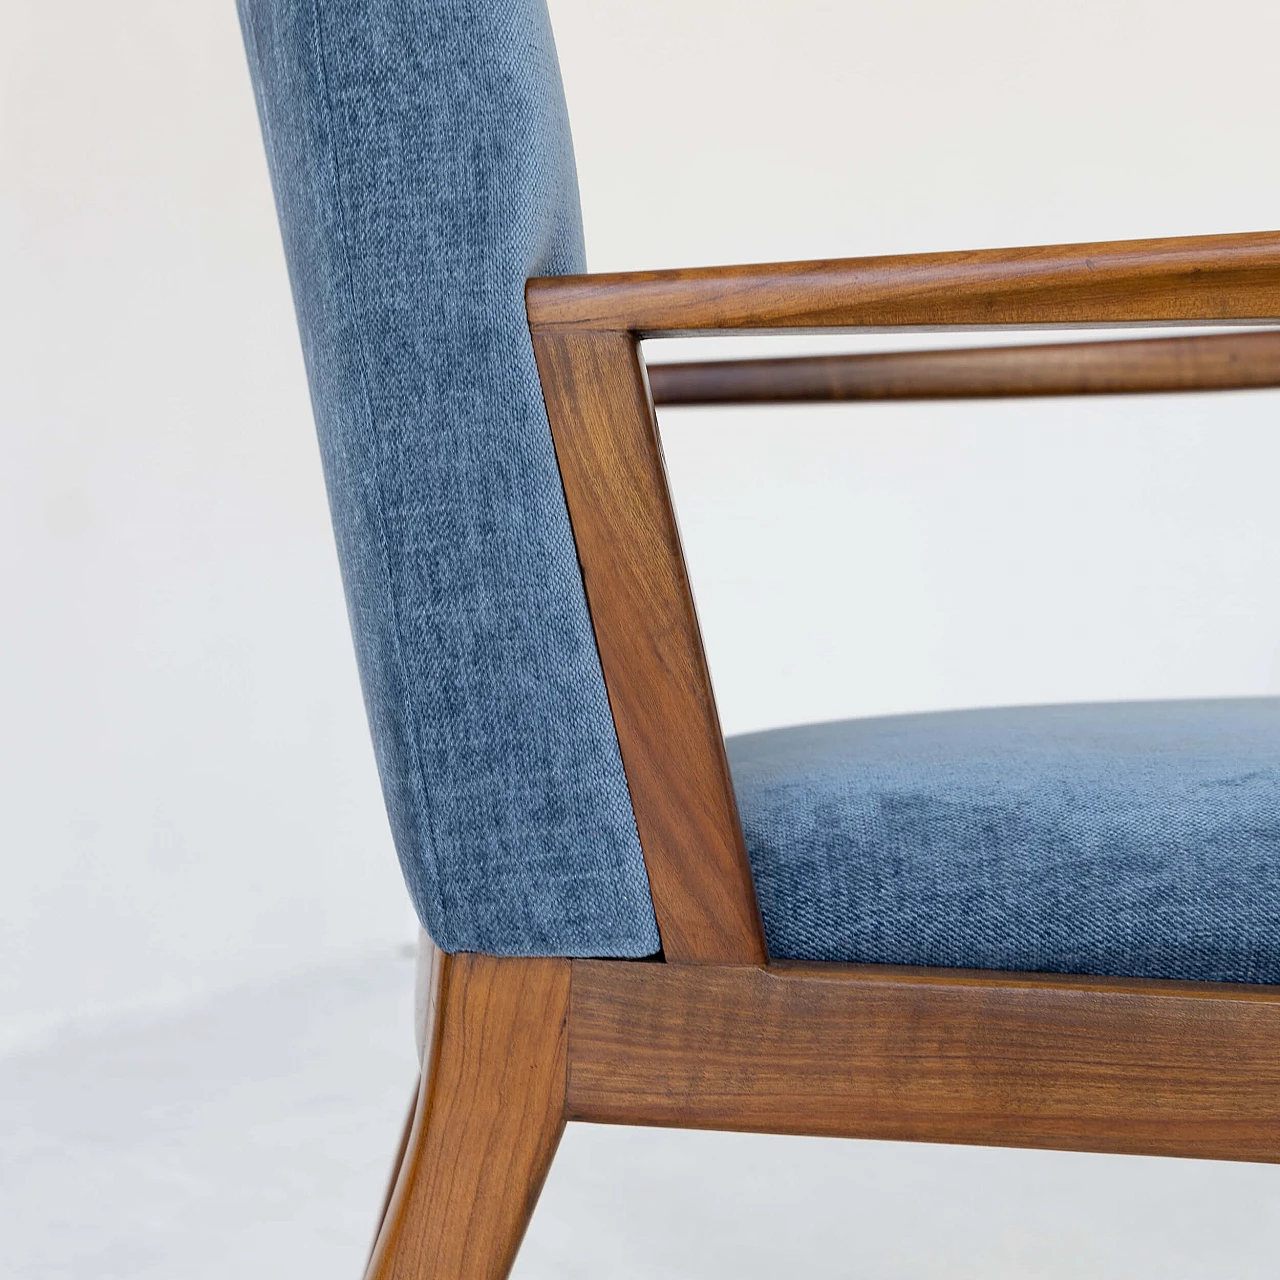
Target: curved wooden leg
{"points": [[489, 1117]]}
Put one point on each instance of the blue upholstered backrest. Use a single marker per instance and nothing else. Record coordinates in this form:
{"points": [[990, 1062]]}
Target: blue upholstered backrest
{"points": [[422, 166]]}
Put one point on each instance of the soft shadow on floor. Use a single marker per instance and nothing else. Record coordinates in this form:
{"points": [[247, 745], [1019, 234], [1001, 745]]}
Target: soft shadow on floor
{"points": [[247, 1137], [634, 1204]]}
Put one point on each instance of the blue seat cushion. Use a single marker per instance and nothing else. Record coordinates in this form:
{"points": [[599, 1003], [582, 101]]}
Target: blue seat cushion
{"points": [[1126, 839]]}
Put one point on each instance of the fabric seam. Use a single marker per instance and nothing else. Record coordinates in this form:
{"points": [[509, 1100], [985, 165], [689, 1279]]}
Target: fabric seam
{"points": [[411, 720]]}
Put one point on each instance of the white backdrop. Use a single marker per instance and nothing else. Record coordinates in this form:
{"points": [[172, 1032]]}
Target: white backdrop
{"points": [[187, 795]]}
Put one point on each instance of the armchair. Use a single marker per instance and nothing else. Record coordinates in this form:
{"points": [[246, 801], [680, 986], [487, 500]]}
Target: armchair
{"points": [[1044, 927]]}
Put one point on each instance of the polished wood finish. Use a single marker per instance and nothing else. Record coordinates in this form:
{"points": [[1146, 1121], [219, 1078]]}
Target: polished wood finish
{"points": [[606, 440], [489, 1118], [998, 1059], [585, 332], [716, 1037], [1192, 280], [1208, 362]]}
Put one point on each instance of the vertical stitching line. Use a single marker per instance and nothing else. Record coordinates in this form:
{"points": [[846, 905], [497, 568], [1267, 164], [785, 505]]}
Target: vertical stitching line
{"points": [[411, 718]]}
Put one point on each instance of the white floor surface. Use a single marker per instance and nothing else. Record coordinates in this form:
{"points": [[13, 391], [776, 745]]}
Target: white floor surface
{"points": [[251, 1137]]}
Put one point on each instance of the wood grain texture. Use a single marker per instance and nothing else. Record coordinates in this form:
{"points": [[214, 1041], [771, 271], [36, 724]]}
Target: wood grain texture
{"points": [[585, 331], [1191, 280], [1210, 362], [489, 1118], [650, 646], [1000, 1059]]}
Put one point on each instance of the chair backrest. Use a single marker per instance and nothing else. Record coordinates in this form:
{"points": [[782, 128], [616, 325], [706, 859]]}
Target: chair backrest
{"points": [[423, 171]]}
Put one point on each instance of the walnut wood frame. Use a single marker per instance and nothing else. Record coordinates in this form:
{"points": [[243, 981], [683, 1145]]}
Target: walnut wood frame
{"points": [[716, 1036], [1211, 362]]}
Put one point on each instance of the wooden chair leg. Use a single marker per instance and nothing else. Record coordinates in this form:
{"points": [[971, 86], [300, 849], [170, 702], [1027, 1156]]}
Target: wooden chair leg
{"points": [[489, 1117]]}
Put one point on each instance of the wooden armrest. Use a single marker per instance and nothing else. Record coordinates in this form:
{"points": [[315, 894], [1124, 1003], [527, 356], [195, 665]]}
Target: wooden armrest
{"points": [[1190, 280], [586, 332], [1207, 362]]}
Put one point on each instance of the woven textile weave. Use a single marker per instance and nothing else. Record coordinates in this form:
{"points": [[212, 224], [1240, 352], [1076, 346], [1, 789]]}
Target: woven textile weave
{"points": [[423, 171]]}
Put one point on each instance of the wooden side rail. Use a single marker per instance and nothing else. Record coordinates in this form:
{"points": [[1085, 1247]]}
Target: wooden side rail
{"points": [[930, 1055], [518, 1047], [1195, 280], [870, 1051], [1212, 362]]}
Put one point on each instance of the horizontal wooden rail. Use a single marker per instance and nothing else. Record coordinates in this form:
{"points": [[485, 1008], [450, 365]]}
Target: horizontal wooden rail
{"points": [[1192, 280], [1213, 362], [933, 1055]]}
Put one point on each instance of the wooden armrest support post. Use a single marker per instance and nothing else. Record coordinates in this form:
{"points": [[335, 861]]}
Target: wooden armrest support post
{"points": [[586, 332]]}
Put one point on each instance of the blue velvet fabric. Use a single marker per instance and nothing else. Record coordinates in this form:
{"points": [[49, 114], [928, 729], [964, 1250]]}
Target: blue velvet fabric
{"points": [[422, 166], [1135, 839]]}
